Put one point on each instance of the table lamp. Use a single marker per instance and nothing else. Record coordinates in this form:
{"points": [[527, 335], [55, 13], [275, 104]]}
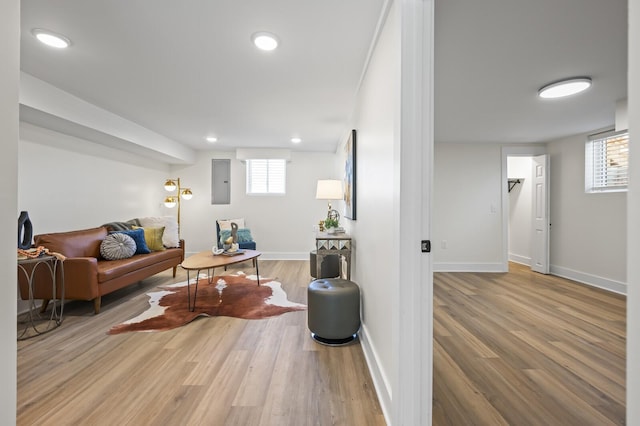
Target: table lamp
{"points": [[330, 189]]}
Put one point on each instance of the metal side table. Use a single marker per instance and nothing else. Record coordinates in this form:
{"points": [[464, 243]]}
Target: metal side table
{"points": [[37, 323]]}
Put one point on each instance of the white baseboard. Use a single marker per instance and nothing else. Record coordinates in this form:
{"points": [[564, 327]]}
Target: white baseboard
{"points": [[592, 280], [468, 267], [380, 382], [523, 260]]}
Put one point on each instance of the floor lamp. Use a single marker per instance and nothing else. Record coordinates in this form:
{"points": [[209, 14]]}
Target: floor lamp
{"points": [[171, 201]]}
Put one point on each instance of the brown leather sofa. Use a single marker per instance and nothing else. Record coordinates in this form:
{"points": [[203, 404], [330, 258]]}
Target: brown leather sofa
{"points": [[87, 276]]}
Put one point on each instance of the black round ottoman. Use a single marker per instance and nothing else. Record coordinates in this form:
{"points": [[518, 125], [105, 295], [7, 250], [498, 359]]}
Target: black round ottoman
{"points": [[333, 310], [329, 265]]}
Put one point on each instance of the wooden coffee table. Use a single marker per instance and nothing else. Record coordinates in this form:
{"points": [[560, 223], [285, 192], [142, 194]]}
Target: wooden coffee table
{"points": [[207, 260]]}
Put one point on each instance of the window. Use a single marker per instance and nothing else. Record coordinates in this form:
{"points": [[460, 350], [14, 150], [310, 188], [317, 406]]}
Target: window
{"points": [[607, 162], [266, 176]]}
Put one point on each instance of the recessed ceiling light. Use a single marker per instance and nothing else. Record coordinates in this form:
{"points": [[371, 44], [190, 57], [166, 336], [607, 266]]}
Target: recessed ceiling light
{"points": [[212, 139], [296, 140], [51, 39], [265, 41], [560, 89]]}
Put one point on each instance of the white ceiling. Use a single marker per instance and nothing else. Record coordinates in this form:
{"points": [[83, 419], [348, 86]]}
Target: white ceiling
{"points": [[185, 70]]}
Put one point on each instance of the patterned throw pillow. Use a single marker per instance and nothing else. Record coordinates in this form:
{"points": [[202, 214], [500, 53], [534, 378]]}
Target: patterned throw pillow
{"points": [[117, 246], [243, 235], [225, 224], [138, 237], [153, 237]]}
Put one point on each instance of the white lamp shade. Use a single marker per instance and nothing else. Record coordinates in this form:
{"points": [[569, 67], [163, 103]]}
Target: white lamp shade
{"points": [[170, 202], [170, 185], [329, 189], [186, 194]]}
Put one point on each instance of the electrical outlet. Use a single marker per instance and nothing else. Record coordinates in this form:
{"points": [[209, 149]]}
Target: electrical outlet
{"points": [[315, 228]]}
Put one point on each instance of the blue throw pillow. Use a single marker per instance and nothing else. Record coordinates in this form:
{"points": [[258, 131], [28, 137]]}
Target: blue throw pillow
{"points": [[138, 237]]}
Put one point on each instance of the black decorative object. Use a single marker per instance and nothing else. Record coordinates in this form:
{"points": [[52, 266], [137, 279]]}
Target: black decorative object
{"points": [[25, 231]]}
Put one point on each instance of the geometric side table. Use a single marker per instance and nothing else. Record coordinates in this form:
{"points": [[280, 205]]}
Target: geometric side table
{"points": [[333, 244], [35, 323]]}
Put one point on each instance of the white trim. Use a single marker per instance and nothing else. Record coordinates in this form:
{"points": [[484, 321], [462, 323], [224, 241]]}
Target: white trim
{"points": [[523, 260], [591, 280], [512, 151], [412, 299], [243, 154], [380, 381], [468, 267]]}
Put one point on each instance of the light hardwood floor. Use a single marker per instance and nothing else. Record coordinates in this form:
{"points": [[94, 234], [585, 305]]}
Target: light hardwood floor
{"points": [[527, 349], [214, 371], [518, 348]]}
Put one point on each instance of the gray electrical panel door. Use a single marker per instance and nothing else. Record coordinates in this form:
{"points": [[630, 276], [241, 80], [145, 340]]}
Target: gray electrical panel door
{"points": [[221, 181]]}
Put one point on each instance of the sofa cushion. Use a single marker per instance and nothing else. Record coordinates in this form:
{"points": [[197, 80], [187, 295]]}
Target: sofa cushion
{"points": [[82, 243], [153, 237], [108, 270], [138, 237], [170, 237], [121, 226], [117, 246]]}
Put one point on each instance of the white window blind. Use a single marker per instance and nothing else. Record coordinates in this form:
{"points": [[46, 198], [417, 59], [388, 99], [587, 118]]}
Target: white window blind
{"points": [[607, 162], [266, 176]]}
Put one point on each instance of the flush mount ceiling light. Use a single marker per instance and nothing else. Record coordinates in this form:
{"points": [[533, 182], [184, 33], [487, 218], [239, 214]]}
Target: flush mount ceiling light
{"points": [[211, 139], [296, 140], [265, 41], [51, 39], [568, 87]]}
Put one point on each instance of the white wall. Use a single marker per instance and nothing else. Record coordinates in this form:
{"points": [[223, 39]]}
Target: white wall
{"points": [[588, 231], [633, 231], [100, 185], [467, 214], [9, 83], [520, 210], [374, 120], [65, 190], [282, 226]]}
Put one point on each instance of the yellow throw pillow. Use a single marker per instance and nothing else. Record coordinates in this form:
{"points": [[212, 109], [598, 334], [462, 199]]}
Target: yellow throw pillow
{"points": [[153, 237]]}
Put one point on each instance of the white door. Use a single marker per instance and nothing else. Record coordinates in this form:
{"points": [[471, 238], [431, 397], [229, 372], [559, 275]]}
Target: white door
{"points": [[541, 223]]}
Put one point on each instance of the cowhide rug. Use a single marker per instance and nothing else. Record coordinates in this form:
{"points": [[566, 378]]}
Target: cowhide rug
{"points": [[228, 295]]}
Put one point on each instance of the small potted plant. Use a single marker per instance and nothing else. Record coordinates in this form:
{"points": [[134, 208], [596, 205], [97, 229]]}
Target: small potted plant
{"points": [[330, 225]]}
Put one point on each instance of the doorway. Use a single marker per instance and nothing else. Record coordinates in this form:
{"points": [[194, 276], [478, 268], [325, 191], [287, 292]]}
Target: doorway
{"points": [[517, 204], [520, 208]]}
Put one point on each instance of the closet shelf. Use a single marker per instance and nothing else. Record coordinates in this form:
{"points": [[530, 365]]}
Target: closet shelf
{"points": [[512, 182]]}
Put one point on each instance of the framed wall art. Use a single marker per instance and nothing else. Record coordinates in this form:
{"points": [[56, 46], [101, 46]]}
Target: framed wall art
{"points": [[350, 177]]}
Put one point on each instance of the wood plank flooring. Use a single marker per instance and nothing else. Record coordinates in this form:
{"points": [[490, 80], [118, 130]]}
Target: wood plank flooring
{"points": [[215, 371], [526, 349], [509, 349]]}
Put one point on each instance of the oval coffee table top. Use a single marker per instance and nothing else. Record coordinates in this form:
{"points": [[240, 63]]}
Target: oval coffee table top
{"points": [[206, 259]]}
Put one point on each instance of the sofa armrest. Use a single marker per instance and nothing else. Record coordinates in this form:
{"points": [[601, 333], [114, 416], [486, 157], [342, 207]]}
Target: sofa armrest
{"points": [[81, 278], [182, 247]]}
